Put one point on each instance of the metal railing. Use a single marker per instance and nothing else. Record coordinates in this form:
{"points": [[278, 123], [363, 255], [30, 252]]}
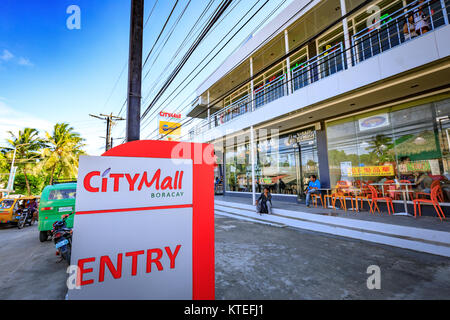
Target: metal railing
{"points": [[321, 66], [232, 111], [406, 23], [392, 30], [271, 91]]}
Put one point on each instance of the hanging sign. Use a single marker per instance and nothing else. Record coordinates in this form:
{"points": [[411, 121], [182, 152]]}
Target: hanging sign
{"points": [[144, 223]]}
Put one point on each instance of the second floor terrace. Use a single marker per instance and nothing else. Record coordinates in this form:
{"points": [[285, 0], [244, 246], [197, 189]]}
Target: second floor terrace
{"points": [[359, 49]]}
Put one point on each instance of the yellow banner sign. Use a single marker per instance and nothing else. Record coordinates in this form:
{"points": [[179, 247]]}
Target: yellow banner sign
{"points": [[170, 128], [385, 171]]}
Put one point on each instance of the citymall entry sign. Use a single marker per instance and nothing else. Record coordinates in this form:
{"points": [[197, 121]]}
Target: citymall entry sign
{"points": [[144, 223]]}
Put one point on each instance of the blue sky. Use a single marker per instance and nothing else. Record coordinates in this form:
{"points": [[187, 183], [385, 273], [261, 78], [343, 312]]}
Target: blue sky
{"points": [[51, 74]]}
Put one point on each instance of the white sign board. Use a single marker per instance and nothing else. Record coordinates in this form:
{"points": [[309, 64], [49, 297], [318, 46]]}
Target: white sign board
{"points": [[128, 211]]}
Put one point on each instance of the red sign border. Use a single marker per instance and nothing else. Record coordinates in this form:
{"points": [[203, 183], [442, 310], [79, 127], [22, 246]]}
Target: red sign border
{"points": [[203, 272]]}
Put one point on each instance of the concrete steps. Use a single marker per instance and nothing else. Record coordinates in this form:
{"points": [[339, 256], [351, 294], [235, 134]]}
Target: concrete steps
{"points": [[418, 239]]}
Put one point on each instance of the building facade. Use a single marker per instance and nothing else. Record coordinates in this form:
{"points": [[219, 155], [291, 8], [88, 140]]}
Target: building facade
{"points": [[348, 90]]}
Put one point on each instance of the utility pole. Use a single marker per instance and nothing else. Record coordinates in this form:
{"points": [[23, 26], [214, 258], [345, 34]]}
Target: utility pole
{"points": [[135, 71], [109, 123]]}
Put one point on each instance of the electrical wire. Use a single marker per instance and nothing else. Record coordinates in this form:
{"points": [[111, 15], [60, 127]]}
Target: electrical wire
{"points": [[331, 25], [173, 98], [224, 5]]}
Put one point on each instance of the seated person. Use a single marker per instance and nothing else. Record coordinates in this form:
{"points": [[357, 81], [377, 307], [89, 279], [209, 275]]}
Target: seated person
{"points": [[423, 182], [313, 187], [264, 202], [421, 20], [409, 28]]}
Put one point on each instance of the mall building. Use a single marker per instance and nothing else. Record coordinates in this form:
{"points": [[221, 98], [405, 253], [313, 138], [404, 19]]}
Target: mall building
{"points": [[351, 90]]}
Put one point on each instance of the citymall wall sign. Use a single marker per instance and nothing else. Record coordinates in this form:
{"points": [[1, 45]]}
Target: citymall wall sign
{"points": [[144, 223]]}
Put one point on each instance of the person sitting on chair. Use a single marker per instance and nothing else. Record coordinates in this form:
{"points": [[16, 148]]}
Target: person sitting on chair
{"points": [[264, 202], [313, 187]]}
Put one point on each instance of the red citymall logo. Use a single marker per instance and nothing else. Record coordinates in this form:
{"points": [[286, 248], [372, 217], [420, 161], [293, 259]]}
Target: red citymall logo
{"points": [[135, 181]]}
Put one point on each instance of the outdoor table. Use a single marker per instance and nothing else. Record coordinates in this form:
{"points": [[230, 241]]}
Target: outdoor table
{"points": [[356, 191], [328, 199], [405, 193]]}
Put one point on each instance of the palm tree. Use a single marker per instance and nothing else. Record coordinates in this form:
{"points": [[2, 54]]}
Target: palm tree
{"points": [[28, 145], [380, 146], [64, 146]]}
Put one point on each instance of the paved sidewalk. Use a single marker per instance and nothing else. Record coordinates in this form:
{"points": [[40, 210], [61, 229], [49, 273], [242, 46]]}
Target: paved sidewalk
{"points": [[257, 261], [425, 222]]}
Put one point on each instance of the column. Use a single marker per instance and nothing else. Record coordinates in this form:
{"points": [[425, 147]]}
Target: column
{"points": [[288, 63], [347, 45], [252, 151], [209, 114], [322, 154], [252, 92]]}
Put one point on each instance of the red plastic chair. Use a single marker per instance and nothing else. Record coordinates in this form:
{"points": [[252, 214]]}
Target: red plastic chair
{"points": [[410, 188], [440, 193], [387, 186], [434, 201], [375, 198]]}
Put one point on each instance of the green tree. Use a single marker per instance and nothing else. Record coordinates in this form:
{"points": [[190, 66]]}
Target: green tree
{"points": [[379, 146], [64, 146], [28, 146]]}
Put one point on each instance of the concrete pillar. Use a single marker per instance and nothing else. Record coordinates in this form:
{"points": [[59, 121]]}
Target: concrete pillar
{"points": [[252, 151], [252, 91], [209, 113], [322, 155], [288, 63], [347, 45]]}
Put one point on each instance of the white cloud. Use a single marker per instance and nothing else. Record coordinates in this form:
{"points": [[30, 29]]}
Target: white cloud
{"points": [[24, 62], [12, 120], [6, 55]]}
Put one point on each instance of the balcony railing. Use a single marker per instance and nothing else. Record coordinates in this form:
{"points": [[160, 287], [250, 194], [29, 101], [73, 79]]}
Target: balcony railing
{"points": [[395, 29], [271, 91], [321, 66], [403, 25], [232, 111]]}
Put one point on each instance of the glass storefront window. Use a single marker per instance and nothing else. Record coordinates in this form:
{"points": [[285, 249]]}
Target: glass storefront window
{"points": [[277, 165], [403, 143]]}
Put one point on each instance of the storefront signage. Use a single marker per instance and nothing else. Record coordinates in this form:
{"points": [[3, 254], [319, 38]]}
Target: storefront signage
{"points": [[371, 171], [414, 166], [373, 122], [170, 115], [144, 224], [303, 136], [170, 128]]}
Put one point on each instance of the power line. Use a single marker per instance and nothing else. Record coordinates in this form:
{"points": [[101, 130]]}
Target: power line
{"points": [[213, 56], [159, 36], [224, 5], [109, 123], [179, 48], [153, 86], [292, 51], [125, 65]]}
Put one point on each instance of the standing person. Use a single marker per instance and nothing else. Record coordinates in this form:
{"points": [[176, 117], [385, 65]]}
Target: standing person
{"points": [[264, 202], [313, 187]]}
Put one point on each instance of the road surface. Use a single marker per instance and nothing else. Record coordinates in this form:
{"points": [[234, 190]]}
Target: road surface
{"points": [[29, 268], [254, 261]]}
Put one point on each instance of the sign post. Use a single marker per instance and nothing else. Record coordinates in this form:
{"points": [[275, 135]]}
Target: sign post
{"points": [[144, 223]]}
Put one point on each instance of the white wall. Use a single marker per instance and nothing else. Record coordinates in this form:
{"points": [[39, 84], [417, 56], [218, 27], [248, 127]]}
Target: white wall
{"points": [[425, 49], [277, 25]]}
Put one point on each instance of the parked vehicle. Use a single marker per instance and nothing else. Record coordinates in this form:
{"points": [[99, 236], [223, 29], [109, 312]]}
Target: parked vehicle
{"points": [[24, 216], [62, 238], [56, 201], [12, 208]]}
